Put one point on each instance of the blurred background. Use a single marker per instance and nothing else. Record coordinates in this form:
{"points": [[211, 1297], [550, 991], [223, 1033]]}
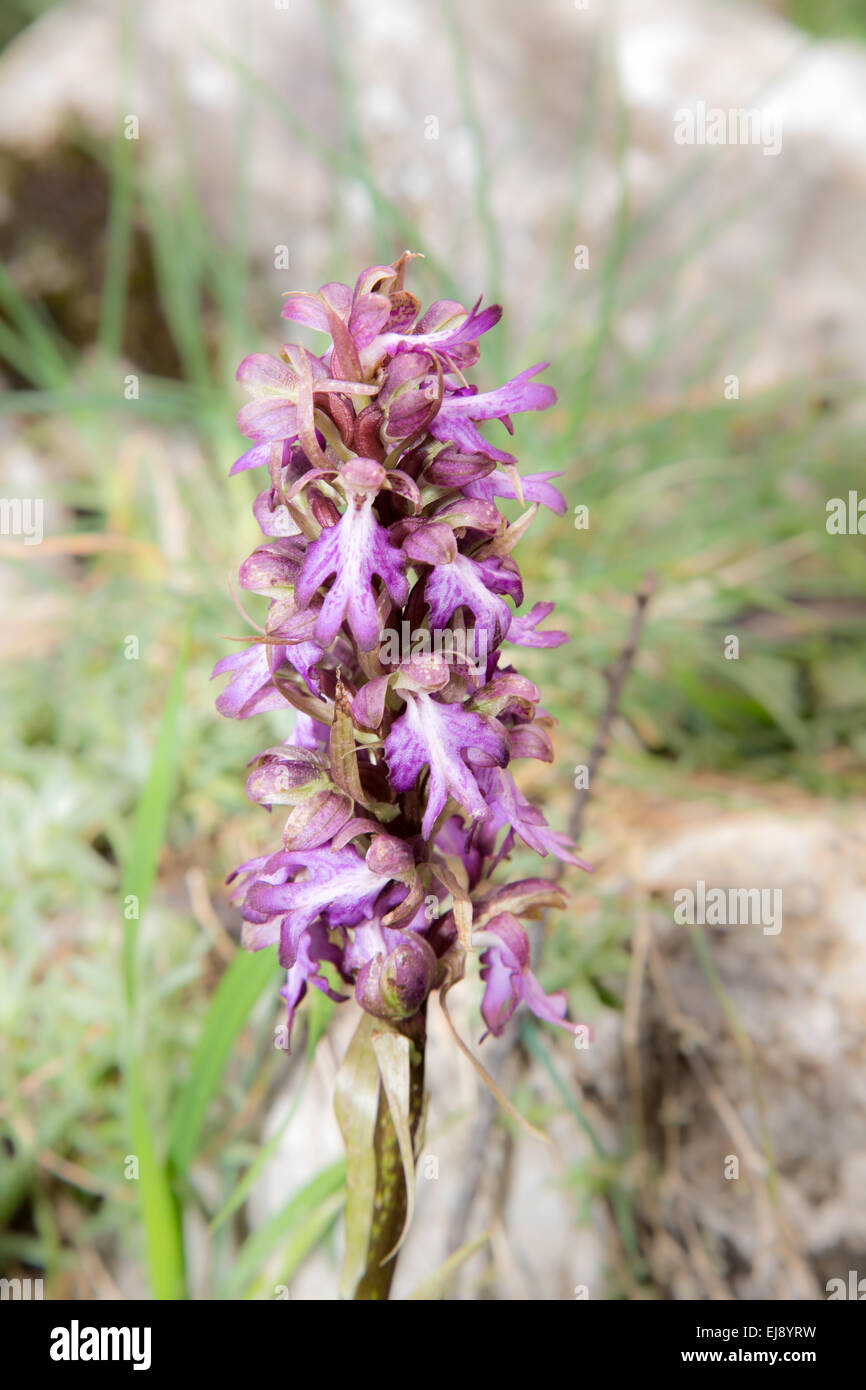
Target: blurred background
{"points": [[167, 172]]}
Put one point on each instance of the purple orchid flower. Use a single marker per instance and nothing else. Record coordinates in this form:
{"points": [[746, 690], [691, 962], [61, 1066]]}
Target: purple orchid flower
{"points": [[339, 887], [282, 405], [534, 486], [313, 948], [508, 978], [455, 421], [353, 551], [454, 342], [434, 735], [374, 321], [510, 810], [381, 516], [251, 689], [475, 585], [523, 631]]}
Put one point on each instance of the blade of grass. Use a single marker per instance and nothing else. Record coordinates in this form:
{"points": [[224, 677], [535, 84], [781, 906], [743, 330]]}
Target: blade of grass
{"points": [[483, 197], [239, 1192], [706, 960], [241, 986], [436, 1285], [303, 1241], [302, 1206], [178, 268], [119, 231], [340, 161], [348, 92], [46, 350], [619, 1197], [159, 1213], [609, 278], [151, 814], [318, 1011]]}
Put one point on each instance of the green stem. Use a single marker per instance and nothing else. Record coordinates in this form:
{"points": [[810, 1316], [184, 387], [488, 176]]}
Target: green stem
{"points": [[389, 1203]]}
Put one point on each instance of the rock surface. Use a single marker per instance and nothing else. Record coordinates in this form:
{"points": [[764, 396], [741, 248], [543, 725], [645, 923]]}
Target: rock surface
{"points": [[768, 245]]}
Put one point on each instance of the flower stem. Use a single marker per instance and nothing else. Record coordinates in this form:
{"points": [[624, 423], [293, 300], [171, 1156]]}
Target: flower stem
{"points": [[390, 1199]]}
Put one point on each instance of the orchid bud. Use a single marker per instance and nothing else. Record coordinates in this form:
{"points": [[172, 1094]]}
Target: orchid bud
{"points": [[284, 781], [395, 986], [323, 509]]}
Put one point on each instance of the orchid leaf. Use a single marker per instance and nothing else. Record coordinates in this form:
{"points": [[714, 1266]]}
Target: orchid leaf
{"points": [[356, 1105], [344, 756], [392, 1051]]}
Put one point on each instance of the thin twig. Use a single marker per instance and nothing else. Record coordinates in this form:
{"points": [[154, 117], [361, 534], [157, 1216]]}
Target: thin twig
{"points": [[615, 677], [631, 1022]]}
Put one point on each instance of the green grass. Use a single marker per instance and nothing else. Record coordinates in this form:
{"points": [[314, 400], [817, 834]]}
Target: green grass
{"points": [[117, 777]]}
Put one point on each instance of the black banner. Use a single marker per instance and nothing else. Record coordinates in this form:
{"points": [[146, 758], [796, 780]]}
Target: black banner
{"points": [[74, 1339]]}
